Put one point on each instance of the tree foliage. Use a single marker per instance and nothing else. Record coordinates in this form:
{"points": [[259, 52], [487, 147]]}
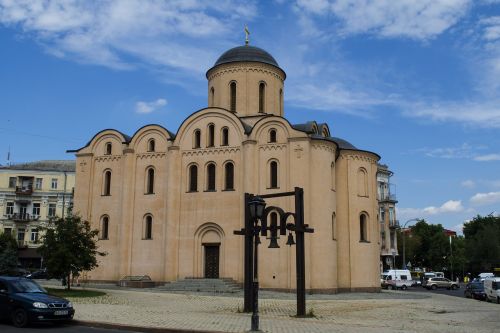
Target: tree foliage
{"points": [[8, 252], [69, 247], [482, 243]]}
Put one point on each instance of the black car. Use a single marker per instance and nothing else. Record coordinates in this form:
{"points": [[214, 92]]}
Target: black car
{"points": [[41, 274], [475, 290], [24, 301]]}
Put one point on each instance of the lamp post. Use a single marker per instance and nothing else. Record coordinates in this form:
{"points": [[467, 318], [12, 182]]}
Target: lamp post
{"points": [[404, 238], [256, 207]]}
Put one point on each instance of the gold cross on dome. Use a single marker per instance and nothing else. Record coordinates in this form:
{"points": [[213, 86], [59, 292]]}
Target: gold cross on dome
{"points": [[247, 32]]}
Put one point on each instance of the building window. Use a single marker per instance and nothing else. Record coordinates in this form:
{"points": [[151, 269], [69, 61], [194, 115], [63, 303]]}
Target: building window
{"points": [[150, 181], [104, 227], [193, 178], [229, 176], [7, 231], [232, 103], [197, 139], [53, 184], [334, 226], [9, 209], [108, 148], [225, 136], [382, 214], [20, 235], [281, 101], [391, 216], [12, 182], [362, 183], [272, 135], [52, 210], [151, 145], [363, 237], [332, 175], [38, 183], [148, 227], [34, 235], [211, 177], [106, 190], [392, 241], [262, 96], [273, 169], [36, 209], [211, 135], [212, 96]]}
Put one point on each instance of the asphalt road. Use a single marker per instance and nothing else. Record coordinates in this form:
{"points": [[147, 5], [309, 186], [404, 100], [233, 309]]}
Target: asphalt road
{"points": [[458, 292], [49, 328]]}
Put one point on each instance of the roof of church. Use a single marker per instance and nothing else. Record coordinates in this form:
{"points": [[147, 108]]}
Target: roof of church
{"points": [[246, 53]]}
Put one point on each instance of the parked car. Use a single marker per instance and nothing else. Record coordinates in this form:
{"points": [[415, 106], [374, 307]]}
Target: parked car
{"points": [[475, 290], [396, 279], [24, 301], [17, 271], [492, 289], [41, 274], [440, 282], [483, 276]]}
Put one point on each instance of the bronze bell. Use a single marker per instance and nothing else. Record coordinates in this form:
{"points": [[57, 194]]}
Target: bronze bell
{"points": [[290, 241], [274, 243]]}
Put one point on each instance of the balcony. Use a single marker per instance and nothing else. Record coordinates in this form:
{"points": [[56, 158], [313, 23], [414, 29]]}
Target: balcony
{"points": [[386, 197], [394, 224], [23, 217], [24, 190]]}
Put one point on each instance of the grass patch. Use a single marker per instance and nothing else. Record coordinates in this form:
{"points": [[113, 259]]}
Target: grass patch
{"points": [[74, 293]]}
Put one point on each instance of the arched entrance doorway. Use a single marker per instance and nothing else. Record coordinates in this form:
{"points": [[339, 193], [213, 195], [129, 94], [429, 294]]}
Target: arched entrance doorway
{"points": [[209, 251]]}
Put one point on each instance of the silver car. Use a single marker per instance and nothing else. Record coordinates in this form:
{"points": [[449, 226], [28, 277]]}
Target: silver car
{"points": [[440, 282]]}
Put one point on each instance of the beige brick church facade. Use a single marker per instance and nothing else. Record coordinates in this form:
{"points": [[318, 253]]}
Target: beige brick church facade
{"points": [[166, 204]]}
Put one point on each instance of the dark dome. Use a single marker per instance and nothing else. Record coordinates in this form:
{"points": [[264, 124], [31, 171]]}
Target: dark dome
{"points": [[246, 53]]}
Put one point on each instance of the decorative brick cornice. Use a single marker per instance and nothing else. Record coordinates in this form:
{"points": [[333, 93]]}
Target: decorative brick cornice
{"points": [[352, 155], [151, 155], [211, 151], [248, 67], [273, 146], [325, 147], [108, 158]]}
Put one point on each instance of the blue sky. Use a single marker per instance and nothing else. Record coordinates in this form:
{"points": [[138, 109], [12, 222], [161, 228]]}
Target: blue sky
{"points": [[418, 82]]}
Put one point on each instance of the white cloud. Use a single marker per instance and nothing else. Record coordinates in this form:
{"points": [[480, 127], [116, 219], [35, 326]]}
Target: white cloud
{"points": [[450, 206], [148, 107], [491, 30], [468, 183], [487, 158], [485, 198], [421, 19]]}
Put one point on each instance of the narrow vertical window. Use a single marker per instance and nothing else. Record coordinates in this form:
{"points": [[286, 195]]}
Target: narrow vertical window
{"points": [[273, 169], [193, 178], [362, 228], [362, 183], [150, 181], [212, 96], [332, 176], [334, 226], [107, 183], [211, 135], [151, 145], [229, 173], [108, 148], [225, 137], [262, 96], [197, 139], [232, 102], [148, 227], [272, 135], [211, 177], [281, 102], [105, 227]]}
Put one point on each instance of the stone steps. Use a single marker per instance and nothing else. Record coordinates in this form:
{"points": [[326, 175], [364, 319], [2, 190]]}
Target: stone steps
{"points": [[225, 285]]}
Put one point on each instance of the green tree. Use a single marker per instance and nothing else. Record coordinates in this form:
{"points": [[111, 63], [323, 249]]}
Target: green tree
{"points": [[69, 246], [482, 243], [8, 252]]}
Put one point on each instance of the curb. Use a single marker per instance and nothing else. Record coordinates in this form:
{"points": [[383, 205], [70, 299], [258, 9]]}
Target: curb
{"points": [[134, 328]]}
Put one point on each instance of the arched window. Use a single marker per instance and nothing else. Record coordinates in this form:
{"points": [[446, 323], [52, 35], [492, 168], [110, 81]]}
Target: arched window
{"points": [[193, 178], [362, 183], [104, 232], [273, 219], [334, 226], [197, 139], [229, 176], [211, 177], [281, 102], [332, 176], [363, 236], [150, 180], [272, 135], [212, 96], [151, 145], [148, 227], [108, 148], [225, 137], [106, 187], [262, 96], [232, 93], [273, 169], [211, 135]]}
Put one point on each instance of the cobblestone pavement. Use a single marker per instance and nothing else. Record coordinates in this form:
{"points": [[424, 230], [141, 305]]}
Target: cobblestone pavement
{"points": [[350, 312]]}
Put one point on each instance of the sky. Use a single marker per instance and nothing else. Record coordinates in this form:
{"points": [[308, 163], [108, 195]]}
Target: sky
{"points": [[417, 82]]}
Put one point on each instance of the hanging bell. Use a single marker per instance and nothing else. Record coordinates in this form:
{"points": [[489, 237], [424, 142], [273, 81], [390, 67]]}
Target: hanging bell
{"points": [[257, 240], [274, 243], [290, 241]]}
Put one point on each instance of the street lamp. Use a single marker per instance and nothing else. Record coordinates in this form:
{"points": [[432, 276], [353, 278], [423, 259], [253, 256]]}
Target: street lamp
{"points": [[404, 238], [256, 208]]}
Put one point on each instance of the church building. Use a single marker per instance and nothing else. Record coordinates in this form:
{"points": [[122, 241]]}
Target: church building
{"points": [[166, 203]]}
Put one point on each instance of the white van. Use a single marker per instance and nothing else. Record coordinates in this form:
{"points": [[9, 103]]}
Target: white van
{"points": [[483, 276], [396, 278], [492, 289]]}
